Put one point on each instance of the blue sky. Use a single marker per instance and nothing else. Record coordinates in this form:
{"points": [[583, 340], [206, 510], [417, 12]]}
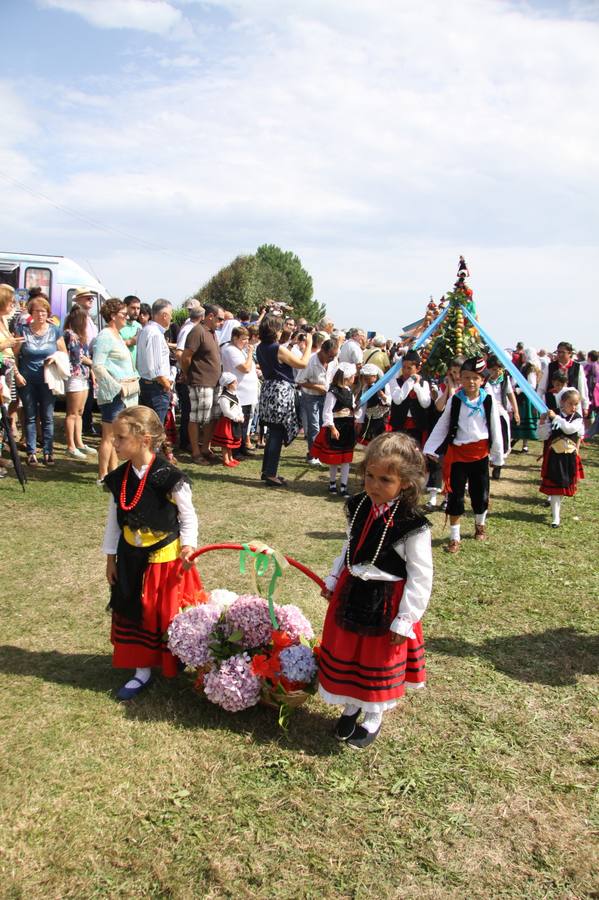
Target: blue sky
{"points": [[377, 141]]}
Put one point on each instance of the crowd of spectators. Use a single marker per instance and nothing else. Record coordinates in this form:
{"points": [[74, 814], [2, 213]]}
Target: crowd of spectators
{"points": [[282, 368]]}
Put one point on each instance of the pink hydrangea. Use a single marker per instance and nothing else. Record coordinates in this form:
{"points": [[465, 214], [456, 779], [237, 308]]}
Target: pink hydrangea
{"points": [[292, 620], [233, 685], [189, 634], [249, 614]]}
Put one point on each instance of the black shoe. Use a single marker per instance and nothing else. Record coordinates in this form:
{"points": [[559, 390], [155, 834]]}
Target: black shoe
{"points": [[496, 473], [332, 488], [361, 738], [343, 491], [443, 506], [346, 726]]}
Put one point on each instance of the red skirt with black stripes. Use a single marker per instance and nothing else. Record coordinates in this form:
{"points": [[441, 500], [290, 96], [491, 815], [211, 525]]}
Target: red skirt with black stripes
{"points": [[167, 588], [368, 668]]}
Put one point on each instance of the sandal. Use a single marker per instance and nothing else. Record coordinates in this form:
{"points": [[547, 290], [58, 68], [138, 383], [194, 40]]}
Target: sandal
{"points": [[270, 481], [32, 460], [48, 459], [209, 455]]}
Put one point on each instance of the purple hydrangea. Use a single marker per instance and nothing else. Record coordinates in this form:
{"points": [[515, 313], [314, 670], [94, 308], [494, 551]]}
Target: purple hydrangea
{"points": [[189, 634], [233, 685], [292, 620], [249, 614], [298, 663]]}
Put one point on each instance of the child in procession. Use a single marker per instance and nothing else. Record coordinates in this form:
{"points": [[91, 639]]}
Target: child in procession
{"points": [[372, 645], [411, 399], [559, 382], [229, 428], [334, 444], [562, 466], [469, 434], [372, 415], [439, 398], [500, 386], [151, 533]]}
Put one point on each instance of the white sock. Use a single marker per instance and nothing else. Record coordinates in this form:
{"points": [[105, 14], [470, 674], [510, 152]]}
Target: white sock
{"points": [[432, 496], [454, 532], [344, 473], [333, 474], [556, 502], [372, 721], [480, 518], [143, 675], [350, 709]]}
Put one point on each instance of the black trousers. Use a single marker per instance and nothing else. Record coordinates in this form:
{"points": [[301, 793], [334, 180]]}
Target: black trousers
{"points": [[476, 476], [184, 410], [86, 418]]}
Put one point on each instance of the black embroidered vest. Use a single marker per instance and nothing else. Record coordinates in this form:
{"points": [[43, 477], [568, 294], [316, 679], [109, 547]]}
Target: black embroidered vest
{"points": [[344, 399], [154, 510], [399, 412], [454, 417], [387, 560], [573, 373]]}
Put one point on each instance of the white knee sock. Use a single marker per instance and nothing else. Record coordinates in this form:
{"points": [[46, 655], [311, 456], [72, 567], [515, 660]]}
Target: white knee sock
{"points": [[556, 502], [372, 721], [344, 473], [333, 474], [454, 532], [350, 709], [480, 518], [143, 675], [432, 496]]}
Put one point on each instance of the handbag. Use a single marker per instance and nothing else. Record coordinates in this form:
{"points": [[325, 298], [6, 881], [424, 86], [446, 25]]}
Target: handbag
{"points": [[129, 387]]}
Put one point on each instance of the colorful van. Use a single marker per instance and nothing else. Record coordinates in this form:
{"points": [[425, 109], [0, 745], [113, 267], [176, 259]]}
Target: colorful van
{"points": [[57, 276]]}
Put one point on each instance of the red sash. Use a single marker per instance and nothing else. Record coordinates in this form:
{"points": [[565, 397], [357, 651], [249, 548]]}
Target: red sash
{"points": [[462, 453]]}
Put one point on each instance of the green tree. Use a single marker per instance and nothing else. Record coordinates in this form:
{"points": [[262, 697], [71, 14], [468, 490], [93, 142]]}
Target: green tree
{"points": [[299, 281], [245, 284]]}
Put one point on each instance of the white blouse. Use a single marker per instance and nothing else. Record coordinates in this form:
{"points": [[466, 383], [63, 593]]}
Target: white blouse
{"points": [[421, 389], [416, 550], [188, 520], [471, 429]]}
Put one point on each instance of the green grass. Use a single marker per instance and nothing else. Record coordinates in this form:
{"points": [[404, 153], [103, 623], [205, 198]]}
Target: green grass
{"points": [[481, 786]]}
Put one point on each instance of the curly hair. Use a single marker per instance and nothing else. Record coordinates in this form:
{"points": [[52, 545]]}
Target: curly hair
{"points": [[110, 308], [403, 457], [142, 420]]}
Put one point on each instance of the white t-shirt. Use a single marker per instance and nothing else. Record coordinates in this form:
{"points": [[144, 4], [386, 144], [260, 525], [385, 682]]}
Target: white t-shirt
{"points": [[351, 352], [247, 382]]}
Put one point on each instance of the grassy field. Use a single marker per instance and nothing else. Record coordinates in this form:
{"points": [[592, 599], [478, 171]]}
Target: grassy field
{"points": [[481, 786]]}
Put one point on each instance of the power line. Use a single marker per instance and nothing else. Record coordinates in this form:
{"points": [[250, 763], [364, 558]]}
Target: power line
{"points": [[94, 224]]}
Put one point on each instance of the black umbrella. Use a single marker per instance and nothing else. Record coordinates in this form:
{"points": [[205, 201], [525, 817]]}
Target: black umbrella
{"points": [[14, 453]]}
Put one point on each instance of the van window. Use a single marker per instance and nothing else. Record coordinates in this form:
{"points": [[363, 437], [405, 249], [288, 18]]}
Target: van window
{"points": [[95, 308], [9, 274], [42, 278]]}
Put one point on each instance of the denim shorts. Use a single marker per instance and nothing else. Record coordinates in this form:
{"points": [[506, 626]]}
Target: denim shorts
{"points": [[109, 411]]}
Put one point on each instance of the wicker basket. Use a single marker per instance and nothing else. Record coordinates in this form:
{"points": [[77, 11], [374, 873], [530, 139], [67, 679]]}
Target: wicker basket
{"points": [[274, 698]]}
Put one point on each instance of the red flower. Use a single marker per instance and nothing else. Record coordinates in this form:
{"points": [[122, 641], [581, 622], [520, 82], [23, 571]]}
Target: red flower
{"points": [[265, 666], [280, 640]]}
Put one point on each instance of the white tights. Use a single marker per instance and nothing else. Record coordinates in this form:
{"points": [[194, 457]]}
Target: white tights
{"points": [[344, 473], [556, 502]]}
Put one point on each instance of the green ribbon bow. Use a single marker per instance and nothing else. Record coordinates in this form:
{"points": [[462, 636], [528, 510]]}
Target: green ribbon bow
{"points": [[261, 562]]}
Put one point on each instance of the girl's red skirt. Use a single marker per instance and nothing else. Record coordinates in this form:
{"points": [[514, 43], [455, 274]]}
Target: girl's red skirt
{"points": [[225, 434], [368, 668], [167, 588], [569, 470], [331, 452]]}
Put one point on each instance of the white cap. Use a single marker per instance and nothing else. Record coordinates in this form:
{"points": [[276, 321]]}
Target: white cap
{"points": [[347, 368], [226, 378], [371, 369]]}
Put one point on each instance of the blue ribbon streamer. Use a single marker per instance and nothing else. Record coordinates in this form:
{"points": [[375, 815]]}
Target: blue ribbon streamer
{"points": [[502, 356], [396, 367]]}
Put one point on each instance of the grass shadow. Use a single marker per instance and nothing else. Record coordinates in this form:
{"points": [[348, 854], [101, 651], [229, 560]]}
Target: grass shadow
{"points": [[554, 657], [87, 671], [327, 535]]}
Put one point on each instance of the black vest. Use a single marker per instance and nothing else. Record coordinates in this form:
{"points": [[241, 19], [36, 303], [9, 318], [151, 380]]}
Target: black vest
{"points": [[454, 417], [399, 413], [344, 399], [557, 433], [573, 373], [387, 560], [154, 510]]}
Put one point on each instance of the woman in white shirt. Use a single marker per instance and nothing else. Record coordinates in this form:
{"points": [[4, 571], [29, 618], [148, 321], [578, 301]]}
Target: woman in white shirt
{"points": [[237, 358]]}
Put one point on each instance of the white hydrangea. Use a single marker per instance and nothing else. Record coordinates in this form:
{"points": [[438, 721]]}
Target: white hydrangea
{"points": [[222, 599]]}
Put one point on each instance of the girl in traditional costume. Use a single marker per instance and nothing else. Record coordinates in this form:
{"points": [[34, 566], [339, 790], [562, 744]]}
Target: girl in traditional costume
{"points": [[373, 414], [500, 386], [229, 428], [334, 444], [150, 534], [379, 587], [562, 467]]}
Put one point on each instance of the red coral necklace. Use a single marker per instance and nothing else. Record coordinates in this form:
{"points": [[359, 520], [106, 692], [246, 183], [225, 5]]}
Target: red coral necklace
{"points": [[140, 488]]}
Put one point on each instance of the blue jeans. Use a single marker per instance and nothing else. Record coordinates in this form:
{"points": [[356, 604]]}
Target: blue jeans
{"points": [[313, 405], [272, 451], [153, 395], [38, 398]]}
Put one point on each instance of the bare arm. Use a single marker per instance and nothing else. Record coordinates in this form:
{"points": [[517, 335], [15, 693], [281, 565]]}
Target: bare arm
{"points": [[285, 356], [185, 361]]}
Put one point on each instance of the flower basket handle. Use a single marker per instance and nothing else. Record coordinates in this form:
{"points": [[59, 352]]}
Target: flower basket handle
{"points": [[292, 562]]}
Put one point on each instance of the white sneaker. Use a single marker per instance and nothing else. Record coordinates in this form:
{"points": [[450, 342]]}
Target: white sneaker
{"points": [[315, 462], [91, 450], [76, 454]]}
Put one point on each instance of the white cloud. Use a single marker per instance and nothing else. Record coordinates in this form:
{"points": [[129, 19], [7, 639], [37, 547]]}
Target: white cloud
{"points": [[156, 16], [376, 140]]}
